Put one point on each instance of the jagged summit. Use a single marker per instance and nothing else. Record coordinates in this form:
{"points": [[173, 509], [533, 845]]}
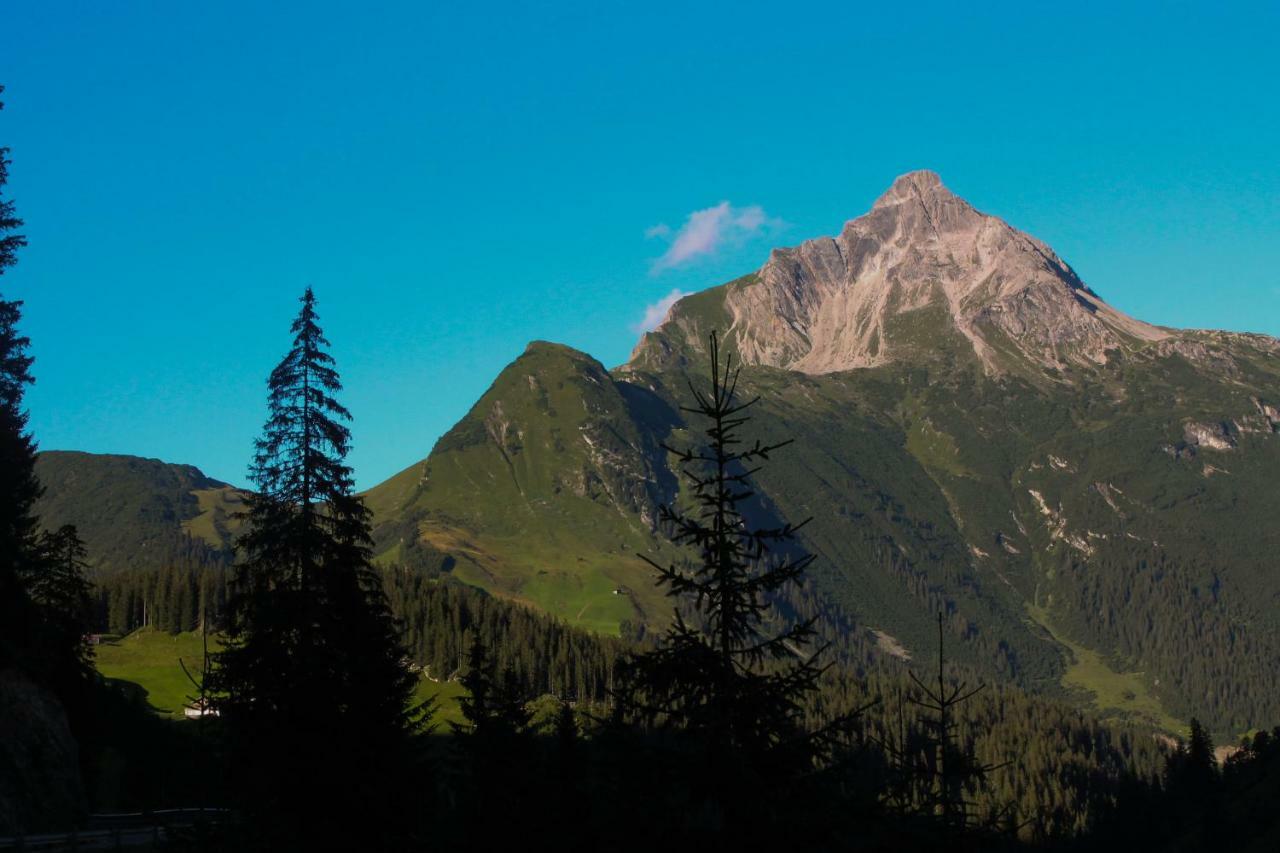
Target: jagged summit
{"points": [[922, 268], [913, 186]]}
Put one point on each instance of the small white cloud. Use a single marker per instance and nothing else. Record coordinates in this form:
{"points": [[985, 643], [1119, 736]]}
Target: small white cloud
{"points": [[662, 229], [657, 312], [706, 231]]}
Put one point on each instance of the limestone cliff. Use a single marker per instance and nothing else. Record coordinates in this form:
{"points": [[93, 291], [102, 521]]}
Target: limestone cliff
{"points": [[858, 299]]}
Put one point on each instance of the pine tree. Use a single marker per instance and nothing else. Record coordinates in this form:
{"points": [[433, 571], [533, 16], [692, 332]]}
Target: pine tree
{"points": [[566, 727], [495, 705], [1192, 769], [10, 242], [63, 603], [478, 681], [948, 771], [493, 759], [313, 682], [19, 487], [1200, 751], [727, 684]]}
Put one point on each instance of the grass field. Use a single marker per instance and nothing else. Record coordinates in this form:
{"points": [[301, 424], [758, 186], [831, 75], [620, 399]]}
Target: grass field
{"points": [[935, 449], [1122, 695], [446, 695], [150, 658], [579, 591], [218, 515]]}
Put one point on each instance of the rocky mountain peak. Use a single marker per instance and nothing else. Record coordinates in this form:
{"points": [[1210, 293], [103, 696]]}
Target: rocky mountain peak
{"points": [[921, 270], [914, 186]]}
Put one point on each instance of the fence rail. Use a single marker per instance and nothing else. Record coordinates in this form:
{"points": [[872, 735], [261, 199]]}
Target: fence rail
{"points": [[115, 831]]}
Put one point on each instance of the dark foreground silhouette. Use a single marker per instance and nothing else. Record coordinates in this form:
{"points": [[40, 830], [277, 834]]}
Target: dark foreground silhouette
{"points": [[732, 731]]}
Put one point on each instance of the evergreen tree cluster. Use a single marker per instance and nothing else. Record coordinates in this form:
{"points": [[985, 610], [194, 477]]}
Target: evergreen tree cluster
{"points": [[19, 487], [45, 608], [44, 598], [1190, 642], [1202, 803], [438, 620], [1055, 769], [188, 586], [441, 620]]}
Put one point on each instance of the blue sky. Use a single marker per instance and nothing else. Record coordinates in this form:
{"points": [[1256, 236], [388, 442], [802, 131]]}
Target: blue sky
{"points": [[456, 182]]}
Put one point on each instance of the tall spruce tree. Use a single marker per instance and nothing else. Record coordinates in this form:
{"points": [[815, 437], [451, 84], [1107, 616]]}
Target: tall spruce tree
{"points": [[58, 654], [19, 487], [1191, 770], [312, 683], [495, 705], [64, 604], [735, 687], [947, 770], [10, 240], [492, 756]]}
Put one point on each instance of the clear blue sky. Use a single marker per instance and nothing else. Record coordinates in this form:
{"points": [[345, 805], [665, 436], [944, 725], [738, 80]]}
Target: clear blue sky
{"points": [[457, 182]]}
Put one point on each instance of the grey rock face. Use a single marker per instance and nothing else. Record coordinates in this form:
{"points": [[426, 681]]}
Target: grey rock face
{"points": [[1215, 436], [830, 304]]}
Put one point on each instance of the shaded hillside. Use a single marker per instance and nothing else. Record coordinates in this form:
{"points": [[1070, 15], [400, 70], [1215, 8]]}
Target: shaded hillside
{"points": [[136, 513]]}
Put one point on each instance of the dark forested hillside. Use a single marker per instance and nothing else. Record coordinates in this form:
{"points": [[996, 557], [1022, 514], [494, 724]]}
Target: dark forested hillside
{"points": [[439, 618], [1070, 533], [1066, 768], [137, 513]]}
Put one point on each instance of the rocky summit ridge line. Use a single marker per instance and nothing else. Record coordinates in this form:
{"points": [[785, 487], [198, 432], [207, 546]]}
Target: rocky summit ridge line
{"points": [[830, 304]]}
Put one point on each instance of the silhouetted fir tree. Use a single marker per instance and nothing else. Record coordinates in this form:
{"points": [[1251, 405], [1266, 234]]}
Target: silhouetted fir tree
{"points": [[566, 794], [63, 602], [313, 684], [1201, 761], [19, 488], [495, 706], [493, 752], [477, 680], [1191, 786], [10, 241], [948, 770], [729, 687], [1250, 781], [566, 727]]}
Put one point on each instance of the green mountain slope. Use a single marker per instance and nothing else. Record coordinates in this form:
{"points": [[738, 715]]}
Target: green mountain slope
{"points": [[134, 512], [544, 492], [1085, 496]]}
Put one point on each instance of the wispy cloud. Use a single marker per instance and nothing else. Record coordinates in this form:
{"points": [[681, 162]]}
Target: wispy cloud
{"points": [[657, 312], [706, 231]]}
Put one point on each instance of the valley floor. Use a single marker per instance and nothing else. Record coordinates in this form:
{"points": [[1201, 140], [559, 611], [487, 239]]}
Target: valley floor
{"points": [[153, 660], [1116, 695]]}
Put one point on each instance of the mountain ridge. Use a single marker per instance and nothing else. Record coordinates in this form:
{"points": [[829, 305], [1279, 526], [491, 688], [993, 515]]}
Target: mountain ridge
{"points": [[1014, 453], [830, 304], [1086, 500], [136, 511]]}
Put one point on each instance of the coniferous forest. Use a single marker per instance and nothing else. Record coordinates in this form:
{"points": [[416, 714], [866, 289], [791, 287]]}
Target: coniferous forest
{"points": [[748, 719]]}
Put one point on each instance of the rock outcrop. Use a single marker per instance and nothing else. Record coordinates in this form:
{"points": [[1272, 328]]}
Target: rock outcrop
{"points": [[830, 304], [40, 787]]}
